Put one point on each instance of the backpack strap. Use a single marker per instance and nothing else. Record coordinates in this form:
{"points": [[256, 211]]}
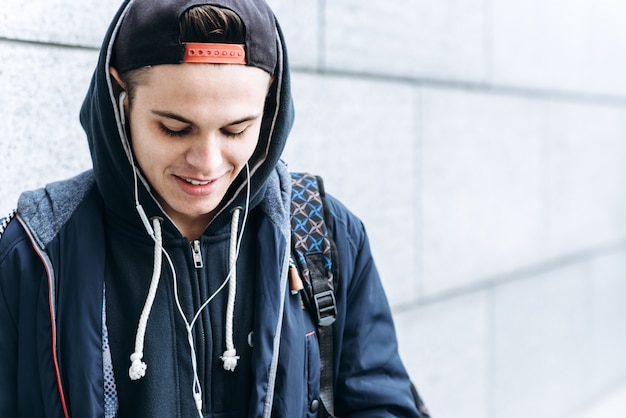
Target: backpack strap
{"points": [[314, 254]]}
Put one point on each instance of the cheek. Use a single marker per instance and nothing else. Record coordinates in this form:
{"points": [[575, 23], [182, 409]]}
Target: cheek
{"points": [[148, 150], [147, 142], [245, 152], [141, 150], [251, 145]]}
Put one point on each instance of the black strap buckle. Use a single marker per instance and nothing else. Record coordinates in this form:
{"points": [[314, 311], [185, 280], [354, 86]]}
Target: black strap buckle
{"points": [[325, 308]]}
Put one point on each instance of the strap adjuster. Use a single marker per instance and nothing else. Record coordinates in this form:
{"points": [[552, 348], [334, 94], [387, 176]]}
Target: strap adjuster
{"points": [[325, 308], [212, 53]]}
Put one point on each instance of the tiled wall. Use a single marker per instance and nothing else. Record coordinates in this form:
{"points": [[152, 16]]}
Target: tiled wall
{"points": [[481, 141]]}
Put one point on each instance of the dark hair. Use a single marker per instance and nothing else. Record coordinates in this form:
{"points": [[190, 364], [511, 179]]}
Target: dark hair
{"points": [[211, 24], [205, 23]]}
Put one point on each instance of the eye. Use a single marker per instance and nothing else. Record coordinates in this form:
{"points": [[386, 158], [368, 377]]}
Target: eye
{"points": [[234, 134], [173, 132]]}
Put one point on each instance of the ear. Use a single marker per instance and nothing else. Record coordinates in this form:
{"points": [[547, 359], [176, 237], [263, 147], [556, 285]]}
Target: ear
{"points": [[116, 81]]}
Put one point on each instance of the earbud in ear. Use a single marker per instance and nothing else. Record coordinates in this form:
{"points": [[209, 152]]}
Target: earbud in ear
{"points": [[120, 105]]}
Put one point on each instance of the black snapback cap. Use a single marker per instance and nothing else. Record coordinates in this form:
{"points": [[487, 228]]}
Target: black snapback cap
{"points": [[149, 35]]}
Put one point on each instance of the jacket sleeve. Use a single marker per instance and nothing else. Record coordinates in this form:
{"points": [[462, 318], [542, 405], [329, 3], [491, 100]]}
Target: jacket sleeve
{"points": [[8, 329], [370, 379], [22, 391]]}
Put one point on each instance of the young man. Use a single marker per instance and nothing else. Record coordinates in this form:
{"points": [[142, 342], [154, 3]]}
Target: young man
{"points": [[155, 285]]}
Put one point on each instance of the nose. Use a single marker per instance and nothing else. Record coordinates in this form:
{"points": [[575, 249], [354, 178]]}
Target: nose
{"points": [[205, 154]]}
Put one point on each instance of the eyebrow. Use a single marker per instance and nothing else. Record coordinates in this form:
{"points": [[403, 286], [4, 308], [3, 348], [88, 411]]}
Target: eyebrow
{"points": [[179, 118], [171, 115]]}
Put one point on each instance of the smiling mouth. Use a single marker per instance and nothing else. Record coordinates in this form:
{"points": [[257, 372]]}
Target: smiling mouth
{"points": [[198, 183]]}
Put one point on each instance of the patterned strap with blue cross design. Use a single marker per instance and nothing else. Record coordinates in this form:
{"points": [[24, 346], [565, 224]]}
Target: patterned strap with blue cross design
{"points": [[312, 247], [313, 250]]}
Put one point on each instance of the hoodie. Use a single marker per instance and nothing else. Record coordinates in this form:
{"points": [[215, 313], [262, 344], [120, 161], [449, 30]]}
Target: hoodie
{"points": [[77, 265], [185, 331]]}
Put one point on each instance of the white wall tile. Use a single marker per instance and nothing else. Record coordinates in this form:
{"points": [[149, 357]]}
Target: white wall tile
{"points": [[611, 406], [41, 139], [482, 186], [585, 176], [442, 39], [67, 22], [607, 339], [300, 22], [559, 44], [444, 347], [540, 336], [360, 136]]}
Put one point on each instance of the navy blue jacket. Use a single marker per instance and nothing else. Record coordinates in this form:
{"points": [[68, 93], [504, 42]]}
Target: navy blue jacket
{"points": [[51, 284]]}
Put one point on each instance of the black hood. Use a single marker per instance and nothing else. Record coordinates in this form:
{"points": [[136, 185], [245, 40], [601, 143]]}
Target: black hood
{"points": [[100, 117]]}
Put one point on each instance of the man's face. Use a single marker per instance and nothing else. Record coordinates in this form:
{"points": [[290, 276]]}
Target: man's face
{"points": [[193, 127]]}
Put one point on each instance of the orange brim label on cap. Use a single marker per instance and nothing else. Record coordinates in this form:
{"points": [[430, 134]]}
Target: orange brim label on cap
{"points": [[207, 53]]}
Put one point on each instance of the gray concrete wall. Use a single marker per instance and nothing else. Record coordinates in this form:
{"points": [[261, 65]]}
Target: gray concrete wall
{"points": [[482, 143]]}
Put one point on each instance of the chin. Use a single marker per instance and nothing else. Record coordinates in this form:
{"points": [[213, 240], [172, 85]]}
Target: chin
{"points": [[203, 212]]}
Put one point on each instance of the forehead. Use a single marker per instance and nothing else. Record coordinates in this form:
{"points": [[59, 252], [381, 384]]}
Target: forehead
{"points": [[193, 87], [211, 75]]}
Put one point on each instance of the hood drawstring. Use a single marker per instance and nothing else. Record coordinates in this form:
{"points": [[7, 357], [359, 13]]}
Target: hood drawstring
{"points": [[138, 368], [230, 356]]}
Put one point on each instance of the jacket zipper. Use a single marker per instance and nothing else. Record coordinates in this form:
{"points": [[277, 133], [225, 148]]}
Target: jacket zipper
{"points": [[196, 252], [47, 264]]}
